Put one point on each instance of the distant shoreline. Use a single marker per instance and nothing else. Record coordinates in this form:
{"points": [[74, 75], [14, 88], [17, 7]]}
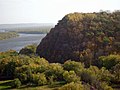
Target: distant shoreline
{"points": [[8, 35], [17, 43]]}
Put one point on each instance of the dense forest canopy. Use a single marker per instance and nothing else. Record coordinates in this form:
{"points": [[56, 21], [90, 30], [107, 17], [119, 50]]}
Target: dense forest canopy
{"points": [[82, 37], [25, 69]]}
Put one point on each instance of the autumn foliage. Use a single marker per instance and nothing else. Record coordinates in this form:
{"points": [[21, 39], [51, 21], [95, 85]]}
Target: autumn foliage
{"points": [[82, 37]]}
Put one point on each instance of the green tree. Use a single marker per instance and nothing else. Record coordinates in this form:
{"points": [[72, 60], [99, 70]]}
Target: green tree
{"points": [[39, 79], [116, 72], [55, 70], [109, 61], [70, 76], [9, 70], [16, 83], [77, 67], [28, 50]]}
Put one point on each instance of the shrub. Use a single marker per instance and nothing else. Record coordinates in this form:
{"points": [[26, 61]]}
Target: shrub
{"points": [[97, 78], [23, 73], [9, 70], [100, 74], [8, 53], [72, 86], [106, 40], [39, 79], [35, 78], [109, 61], [28, 50], [104, 75], [22, 77], [55, 70], [51, 80], [104, 86], [70, 76], [41, 61], [42, 79], [116, 73], [16, 83], [39, 65], [87, 77], [72, 65], [87, 86]]}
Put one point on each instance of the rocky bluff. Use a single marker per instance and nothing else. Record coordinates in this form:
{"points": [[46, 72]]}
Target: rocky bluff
{"points": [[82, 37]]}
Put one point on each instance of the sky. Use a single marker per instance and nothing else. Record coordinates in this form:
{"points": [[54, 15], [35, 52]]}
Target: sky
{"points": [[49, 11]]}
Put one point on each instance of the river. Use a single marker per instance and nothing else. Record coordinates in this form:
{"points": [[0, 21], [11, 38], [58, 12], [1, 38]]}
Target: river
{"points": [[18, 43]]}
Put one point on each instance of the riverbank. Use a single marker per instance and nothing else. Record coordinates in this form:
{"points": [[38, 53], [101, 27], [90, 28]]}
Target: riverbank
{"points": [[18, 43]]}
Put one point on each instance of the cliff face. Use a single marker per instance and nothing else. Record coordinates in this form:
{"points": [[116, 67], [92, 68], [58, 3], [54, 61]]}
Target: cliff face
{"points": [[82, 37]]}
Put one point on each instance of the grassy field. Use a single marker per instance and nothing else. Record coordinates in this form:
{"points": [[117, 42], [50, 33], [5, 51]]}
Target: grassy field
{"points": [[5, 85]]}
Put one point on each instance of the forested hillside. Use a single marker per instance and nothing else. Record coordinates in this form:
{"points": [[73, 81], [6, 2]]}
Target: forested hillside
{"points": [[82, 37]]}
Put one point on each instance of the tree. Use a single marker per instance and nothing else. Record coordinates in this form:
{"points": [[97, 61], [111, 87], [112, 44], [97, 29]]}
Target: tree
{"points": [[55, 70], [70, 76], [16, 83], [109, 61], [39, 79], [28, 50], [116, 72], [77, 67]]}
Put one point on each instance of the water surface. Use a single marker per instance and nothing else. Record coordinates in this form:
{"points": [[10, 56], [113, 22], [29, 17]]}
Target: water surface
{"points": [[20, 42]]}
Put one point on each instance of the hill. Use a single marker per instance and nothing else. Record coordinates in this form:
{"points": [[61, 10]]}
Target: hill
{"points": [[82, 37]]}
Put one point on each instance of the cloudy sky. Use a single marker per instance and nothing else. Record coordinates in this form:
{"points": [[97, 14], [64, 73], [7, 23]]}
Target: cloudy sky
{"points": [[49, 11]]}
